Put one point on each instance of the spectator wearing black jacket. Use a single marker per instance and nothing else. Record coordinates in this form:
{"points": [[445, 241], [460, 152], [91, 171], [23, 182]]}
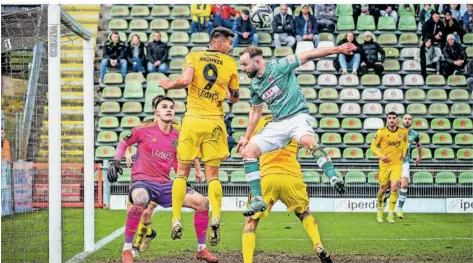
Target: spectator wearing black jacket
{"points": [[306, 26], [326, 18], [113, 56], [369, 55], [135, 53], [452, 26], [469, 80], [455, 56], [351, 60], [429, 57], [364, 10], [157, 54], [283, 28], [434, 29], [244, 30]]}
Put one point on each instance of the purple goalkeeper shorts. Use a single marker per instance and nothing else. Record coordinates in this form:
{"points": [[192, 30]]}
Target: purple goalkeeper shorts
{"points": [[160, 194]]}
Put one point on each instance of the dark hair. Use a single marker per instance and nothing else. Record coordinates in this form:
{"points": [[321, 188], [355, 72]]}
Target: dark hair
{"points": [[157, 31], [159, 98], [253, 51], [245, 11], [392, 113], [221, 32], [435, 13]]}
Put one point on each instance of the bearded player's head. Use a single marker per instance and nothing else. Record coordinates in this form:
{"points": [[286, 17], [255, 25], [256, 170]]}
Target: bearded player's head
{"points": [[392, 120], [407, 121], [221, 40], [252, 62], [163, 108]]}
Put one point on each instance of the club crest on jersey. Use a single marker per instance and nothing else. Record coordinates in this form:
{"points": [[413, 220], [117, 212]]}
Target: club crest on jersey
{"points": [[399, 136], [217, 132]]}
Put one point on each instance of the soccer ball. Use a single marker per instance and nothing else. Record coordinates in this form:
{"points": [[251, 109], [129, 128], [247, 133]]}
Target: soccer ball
{"points": [[261, 16]]}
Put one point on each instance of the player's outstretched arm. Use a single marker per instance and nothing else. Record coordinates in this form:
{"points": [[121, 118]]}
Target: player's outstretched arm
{"points": [[181, 82], [306, 56]]}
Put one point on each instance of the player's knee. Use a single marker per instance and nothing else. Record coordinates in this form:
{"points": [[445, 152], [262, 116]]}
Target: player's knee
{"points": [[302, 215], [250, 225], [146, 216], [201, 204], [140, 197], [394, 188]]}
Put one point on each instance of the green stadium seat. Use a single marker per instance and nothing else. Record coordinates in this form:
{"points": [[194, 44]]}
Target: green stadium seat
{"points": [[328, 94], [353, 138], [423, 178], [461, 109], [468, 38], [331, 138], [164, 37], [456, 80], [355, 177], [419, 123], [110, 107], [461, 124], [444, 154], [142, 35], [105, 152], [435, 80], [329, 123], [344, 10], [160, 10], [181, 11], [370, 155], [245, 93], [129, 122], [465, 154], [200, 38], [372, 178], [366, 23], [180, 24], [111, 92], [118, 24], [309, 93], [134, 77], [178, 51], [123, 134], [223, 176], [369, 137], [407, 23], [333, 153], [238, 177], [264, 38], [353, 153], [148, 118], [459, 95], [442, 139], [345, 23], [139, 10], [469, 52], [108, 122], [415, 95], [179, 37], [177, 93], [351, 124], [113, 78], [386, 23], [159, 24], [391, 52], [409, 39], [403, 11], [464, 139], [133, 90], [180, 107], [132, 107], [312, 108], [306, 79], [445, 178], [311, 177], [326, 37], [360, 39], [424, 138], [282, 51], [107, 136], [391, 65], [241, 107], [154, 90], [370, 80], [240, 122], [267, 52], [465, 178], [237, 51], [120, 10], [139, 24], [266, 109], [437, 94], [326, 180], [244, 79], [238, 135], [438, 109], [440, 124], [304, 154], [176, 64], [328, 108]]}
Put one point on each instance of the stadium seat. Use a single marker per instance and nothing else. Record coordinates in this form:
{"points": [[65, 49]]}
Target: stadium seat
{"points": [[355, 177], [176, 64], [311, 177], [353, 153], [238, 176], [132, 107], [465, 178], [120, 10], [371, 94], [419, 123], [312, 108], [111, 92], [424, 138], [333, 153], [350, 109], [345, 23], [465, 154], [370, 155], [266, 109], [159, 24], [372, 109], [148, 118], [179, 37], [240, 122], [129, 122], [160, 10], [370, 80], [407, 23], [309, 93], [415, 95], [444, 154], [108, 122], [153, 90], [373, 123], [437, 95], [353, 138], [458, 95], [139, 24], [178, 51], [349, 80], [409, 39], [438, 109], [234, 154], [468, 38], [177, 93], [133, 90], [329, 123], [304, 154], [113, 78], [369, 137], [372, 178], [283, 51], [180, 24], [308, 66], [223, 176], [226, 107], [348, 94], [109, 107], [456, 80], [461, 109], [139, 10], [180, 107], [366, 23], [344, 10], [396, 107], [118, 24], [123, 134], [409, 52], [413, 80], [403, 11], [142, 35], [423, 178], [244, 79], [306, 79], [411, 65], [264, 38], [303, 46], [164, 37], [391, 65], [387, 39], [325, 66], [181, 11], [464, 139], [326, 37], [392, 80], [200, 38], [327, 80], [442, 139], [461, 124], [245, 93], [351, 124], [328, 108], [105, 152], [386, 23], [107, 136], [324, 44], [331, 138], [391, 52], [416, 109], [440, 124], [328, 94], [469, 52], [435, 80], [135, 77], [393, 94], [241, 107]]}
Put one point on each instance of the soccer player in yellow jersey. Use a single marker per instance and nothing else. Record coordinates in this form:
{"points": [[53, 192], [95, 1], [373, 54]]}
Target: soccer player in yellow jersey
{"points": [[393, 142], [210, 76], [281, 179]]}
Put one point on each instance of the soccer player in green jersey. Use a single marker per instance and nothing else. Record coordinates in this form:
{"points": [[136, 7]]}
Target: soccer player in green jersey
{"points": [[274, 83]]}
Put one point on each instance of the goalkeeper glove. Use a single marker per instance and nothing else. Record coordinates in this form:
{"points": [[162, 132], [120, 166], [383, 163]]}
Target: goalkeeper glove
{"points": [[338, 184], [113, 171]]}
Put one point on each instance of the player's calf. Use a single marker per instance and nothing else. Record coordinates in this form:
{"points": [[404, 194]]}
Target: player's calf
{"points": [[254, 181], [249, 239]]}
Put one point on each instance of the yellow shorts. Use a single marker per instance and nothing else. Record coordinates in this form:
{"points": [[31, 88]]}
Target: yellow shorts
{"points": [[289, 189], [206, 138], [389, 173]]}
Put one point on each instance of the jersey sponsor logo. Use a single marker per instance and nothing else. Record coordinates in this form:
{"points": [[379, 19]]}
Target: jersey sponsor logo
{"points": [[214, 96], [272, 94], [394, 143], [156, 153], [399, 136]]}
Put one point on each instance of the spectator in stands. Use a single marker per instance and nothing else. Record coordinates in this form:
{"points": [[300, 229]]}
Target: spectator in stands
{"points": [[6, 153], [455, 56], [283, 28], [389, 10], [425, 15], [222, 15], [468, 19], [429, 57], [365, 10], [349, 61], [113, 56], [244, 30], [469, 80], [326, 18], [201, 18], [369, 55], [434, 29], [454, 10], [306, 26], [157, 54], [135, 53], [452, 26]]}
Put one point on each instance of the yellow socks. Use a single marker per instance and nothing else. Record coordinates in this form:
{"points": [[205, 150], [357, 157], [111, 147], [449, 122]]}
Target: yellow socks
{"points": [[392, 201], [215, 197], [380, 198], [179, 187], [248, 244], [312, 229]]}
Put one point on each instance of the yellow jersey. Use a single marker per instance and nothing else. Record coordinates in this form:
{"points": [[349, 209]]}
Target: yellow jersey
{"points": [[392, 144], [283, 161], [214, 74]]}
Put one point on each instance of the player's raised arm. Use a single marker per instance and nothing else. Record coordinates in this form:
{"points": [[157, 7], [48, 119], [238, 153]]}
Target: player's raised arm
{"points": [[181, 82], [306, 56]]}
